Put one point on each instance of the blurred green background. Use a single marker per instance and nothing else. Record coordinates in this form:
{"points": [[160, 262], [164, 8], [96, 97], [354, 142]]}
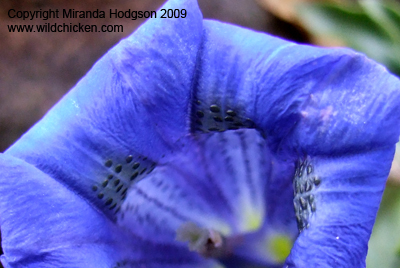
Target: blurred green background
{"points": [[37, 69]]}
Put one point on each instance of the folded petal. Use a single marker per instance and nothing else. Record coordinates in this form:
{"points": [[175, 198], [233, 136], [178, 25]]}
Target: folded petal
{"points": [[128, 110]]}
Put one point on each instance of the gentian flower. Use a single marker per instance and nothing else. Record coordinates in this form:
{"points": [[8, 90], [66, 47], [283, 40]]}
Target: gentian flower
{"points": [[195, 143]]}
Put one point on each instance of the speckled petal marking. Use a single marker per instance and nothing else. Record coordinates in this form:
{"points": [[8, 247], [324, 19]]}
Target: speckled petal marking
{"points": [[305, 185]]}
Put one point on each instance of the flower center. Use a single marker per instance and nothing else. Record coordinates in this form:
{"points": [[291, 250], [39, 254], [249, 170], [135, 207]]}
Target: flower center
{"points": [[207, 242], [252, 249]]}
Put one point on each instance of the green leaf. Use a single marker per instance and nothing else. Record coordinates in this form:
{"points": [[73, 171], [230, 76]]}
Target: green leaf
{"points": [[385, 240], [372, 27]]}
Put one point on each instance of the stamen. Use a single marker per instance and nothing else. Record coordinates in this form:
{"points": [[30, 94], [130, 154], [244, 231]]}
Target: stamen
{"points": [[207, 242]]}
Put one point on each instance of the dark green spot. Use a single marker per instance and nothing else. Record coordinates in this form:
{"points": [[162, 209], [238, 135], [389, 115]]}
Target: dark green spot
{"points": [[313, 208], [143, 171], [200, 114], [94, 188], [217, 119], [108, 163], [317, 181], [134, 176], [105, 183], [100, 195], [129, 159], [301, 188], [119, 188], [124, 191], [231, 113], [300, 222], [135, 165], [309, 169], [214, 108], [308, 186], [116, 182], [109, 201], [228, 118], [118, 168], [303, 202]]}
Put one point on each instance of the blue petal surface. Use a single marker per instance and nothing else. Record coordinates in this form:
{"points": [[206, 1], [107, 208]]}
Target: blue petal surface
{"points": [[108, 132], [332, 106], [154, 106], [219, 181], [129, 110], [221, 176], [329, 100], [44, 224], [346, 203]]}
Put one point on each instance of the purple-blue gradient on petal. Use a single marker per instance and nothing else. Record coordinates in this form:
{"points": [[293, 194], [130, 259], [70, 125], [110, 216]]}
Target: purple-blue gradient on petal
{"points": [[191, 120]]}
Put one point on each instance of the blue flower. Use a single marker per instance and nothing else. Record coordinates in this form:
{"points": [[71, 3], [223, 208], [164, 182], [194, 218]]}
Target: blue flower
{"points": [[194, 143]]}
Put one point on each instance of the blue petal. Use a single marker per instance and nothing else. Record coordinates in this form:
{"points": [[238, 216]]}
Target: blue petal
{"points": [[345, 206], [279, 220], [323, 100], [319, 107], [129, 109], [217, 181], [328, 105], [188, 188], [44, 224], [229, 182]]}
